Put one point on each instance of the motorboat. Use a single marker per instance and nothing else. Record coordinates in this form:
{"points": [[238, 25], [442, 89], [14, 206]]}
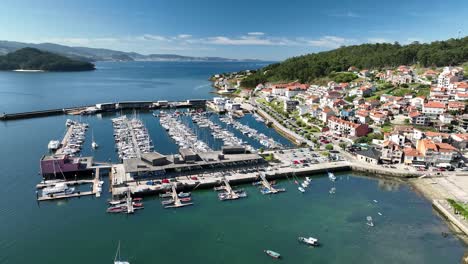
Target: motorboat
{"points": [[183, 195], [94, 145], [117, 209], [332, 190], [331, 176], [305, 184], [167, 202], [53, 145], [59, 188], [302, 190], [272, 253], [309, 241], [165, 195], [116, 202], [370, 222]]}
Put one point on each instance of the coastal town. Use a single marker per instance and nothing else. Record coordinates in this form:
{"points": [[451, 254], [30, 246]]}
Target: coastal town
{"points": [[402, 119]]}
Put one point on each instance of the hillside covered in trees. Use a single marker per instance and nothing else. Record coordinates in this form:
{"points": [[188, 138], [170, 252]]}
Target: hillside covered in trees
{"points": [[34, 59], [366, 56]]}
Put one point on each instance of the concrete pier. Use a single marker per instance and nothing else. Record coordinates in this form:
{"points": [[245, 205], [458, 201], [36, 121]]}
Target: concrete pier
{"points": [[190, 103], [65, 139]]}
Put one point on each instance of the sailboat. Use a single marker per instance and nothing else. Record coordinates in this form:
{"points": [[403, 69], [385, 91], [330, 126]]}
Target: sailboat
{"points": [[117, 257], [94, 145]]}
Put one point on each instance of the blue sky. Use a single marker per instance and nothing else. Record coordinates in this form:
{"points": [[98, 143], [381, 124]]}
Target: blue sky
{"points": [[271, 30]]}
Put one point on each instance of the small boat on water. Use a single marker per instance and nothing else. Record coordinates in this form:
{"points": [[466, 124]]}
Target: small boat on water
{"points": [[94, 145], [308, 179], [117, 209], [309, 241], [332, 190], [183, 195], [57, 189], [165, 195], [186, 199], [272, 253], [53, 145], [370, 222], [305, 184], [168, 202], [219, 188], [331, 176], [117, 257], [302, 190]]}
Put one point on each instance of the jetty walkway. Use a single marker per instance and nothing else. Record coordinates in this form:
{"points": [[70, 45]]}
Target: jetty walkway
{"points": [[105, 107]]}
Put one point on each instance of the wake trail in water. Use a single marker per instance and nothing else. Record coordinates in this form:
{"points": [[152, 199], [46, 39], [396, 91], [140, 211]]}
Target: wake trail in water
{"points": [[201, 86]]}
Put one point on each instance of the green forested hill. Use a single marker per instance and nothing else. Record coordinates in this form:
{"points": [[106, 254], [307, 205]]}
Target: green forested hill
{"points": [[34, 59], [309, 67]]}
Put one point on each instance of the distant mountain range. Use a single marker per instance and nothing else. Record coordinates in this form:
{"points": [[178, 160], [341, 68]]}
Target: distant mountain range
{"points": [[95, 54]]}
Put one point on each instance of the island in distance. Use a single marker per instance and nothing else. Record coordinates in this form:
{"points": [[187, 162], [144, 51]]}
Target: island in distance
{"points": [[31, 59]]}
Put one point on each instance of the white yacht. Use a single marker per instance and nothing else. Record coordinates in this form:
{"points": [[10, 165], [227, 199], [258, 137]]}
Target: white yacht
{"points": [[94, 145], [370, 222], [59, 188], [302, 190], [117, 257], [331, 176], [53, 145], [309, 241]]}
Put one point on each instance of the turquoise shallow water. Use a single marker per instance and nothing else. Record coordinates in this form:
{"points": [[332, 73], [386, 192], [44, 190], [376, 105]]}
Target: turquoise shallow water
{"points": [[79, 230]]}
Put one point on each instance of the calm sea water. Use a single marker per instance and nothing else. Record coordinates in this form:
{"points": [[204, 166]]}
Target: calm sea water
{"points": [[112, 82], [79, 230]]}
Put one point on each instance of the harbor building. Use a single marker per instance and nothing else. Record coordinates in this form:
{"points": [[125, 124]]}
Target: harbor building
{"points": [[156, 165], [65, 166]]}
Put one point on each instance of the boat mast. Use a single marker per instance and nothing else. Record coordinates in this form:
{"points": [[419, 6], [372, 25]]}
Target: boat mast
{"points": [[117, 254]]}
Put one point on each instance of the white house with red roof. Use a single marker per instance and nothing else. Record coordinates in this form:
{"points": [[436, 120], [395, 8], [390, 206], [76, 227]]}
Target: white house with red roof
{"points": [[456, 106], [347, 128], [449, 76], [433, 108]]}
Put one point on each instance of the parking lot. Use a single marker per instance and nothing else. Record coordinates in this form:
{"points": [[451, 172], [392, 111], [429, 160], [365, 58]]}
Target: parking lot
{"points": [[303, 157]]}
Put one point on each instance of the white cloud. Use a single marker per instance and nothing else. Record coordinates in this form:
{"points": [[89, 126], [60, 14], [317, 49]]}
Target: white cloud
{"points": [[244, 40], [155, 37], [79, 41], [379, 40], [184, 36], [255, 33], [330, 42]]}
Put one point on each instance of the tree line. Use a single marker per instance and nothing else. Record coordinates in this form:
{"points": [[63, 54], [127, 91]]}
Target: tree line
{"points": [[309, 67], [34, 59]]}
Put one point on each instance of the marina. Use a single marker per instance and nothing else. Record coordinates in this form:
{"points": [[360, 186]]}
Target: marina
{"points": [[266, 141], [182, 135], [131, 137], [72, 141], [228, 138]]}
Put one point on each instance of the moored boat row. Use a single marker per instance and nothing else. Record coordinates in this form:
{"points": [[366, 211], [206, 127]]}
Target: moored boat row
{"points": [[266, 141], [131, 137], [183, 135], [228, 138]]}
